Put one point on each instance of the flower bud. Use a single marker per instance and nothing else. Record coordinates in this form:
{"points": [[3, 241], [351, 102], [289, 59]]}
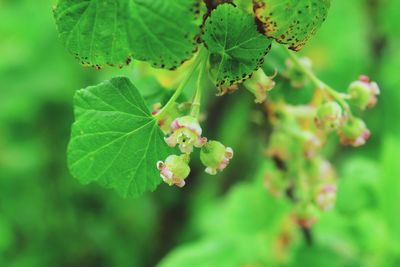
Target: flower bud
{"points": [[354, 132], [175, 169], [186, 132], [364, 93], [329, 116], [326, 197], [215, 156], [306, 215], [259, 84]]}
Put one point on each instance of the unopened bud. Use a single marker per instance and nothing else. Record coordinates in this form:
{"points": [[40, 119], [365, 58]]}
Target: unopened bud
{"points": [[364, 93], [174, 170], [306, 215], [354, 132], [215, 156], [329, 116]]}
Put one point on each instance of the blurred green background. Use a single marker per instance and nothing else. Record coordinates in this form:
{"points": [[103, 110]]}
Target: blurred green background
{"points": [[48, 219]]}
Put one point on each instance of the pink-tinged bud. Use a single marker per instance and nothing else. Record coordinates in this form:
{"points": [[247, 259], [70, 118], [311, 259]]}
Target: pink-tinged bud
{"points": [[215, 156], [259, 84], [329, 116], [354, 132], [174, 170], [326, 197], [364, 93], [186, 132], [306, 215]]}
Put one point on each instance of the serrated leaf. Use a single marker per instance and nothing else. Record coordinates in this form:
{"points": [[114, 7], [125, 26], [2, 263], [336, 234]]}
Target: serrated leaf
{"points": [[291, 22], [236, 47], [115, 141], [110, 32]]}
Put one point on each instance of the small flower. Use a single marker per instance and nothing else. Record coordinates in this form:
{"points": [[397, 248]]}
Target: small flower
{"points": [[354, 132], [364, 93], [329, 116], [326, 197], [259, 84], [306, 215], [215, 156], [174, 170], [186, 132]]}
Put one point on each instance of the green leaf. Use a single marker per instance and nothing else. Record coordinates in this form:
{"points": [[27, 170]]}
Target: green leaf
{"points": [[101, 32], [236, 47], [291, 22], [115, 141]]}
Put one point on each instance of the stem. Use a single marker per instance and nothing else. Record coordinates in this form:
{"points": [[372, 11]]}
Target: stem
{"points": [[180, 88], [320, 85], [310, 75], [308, 236], [195, 111]]}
